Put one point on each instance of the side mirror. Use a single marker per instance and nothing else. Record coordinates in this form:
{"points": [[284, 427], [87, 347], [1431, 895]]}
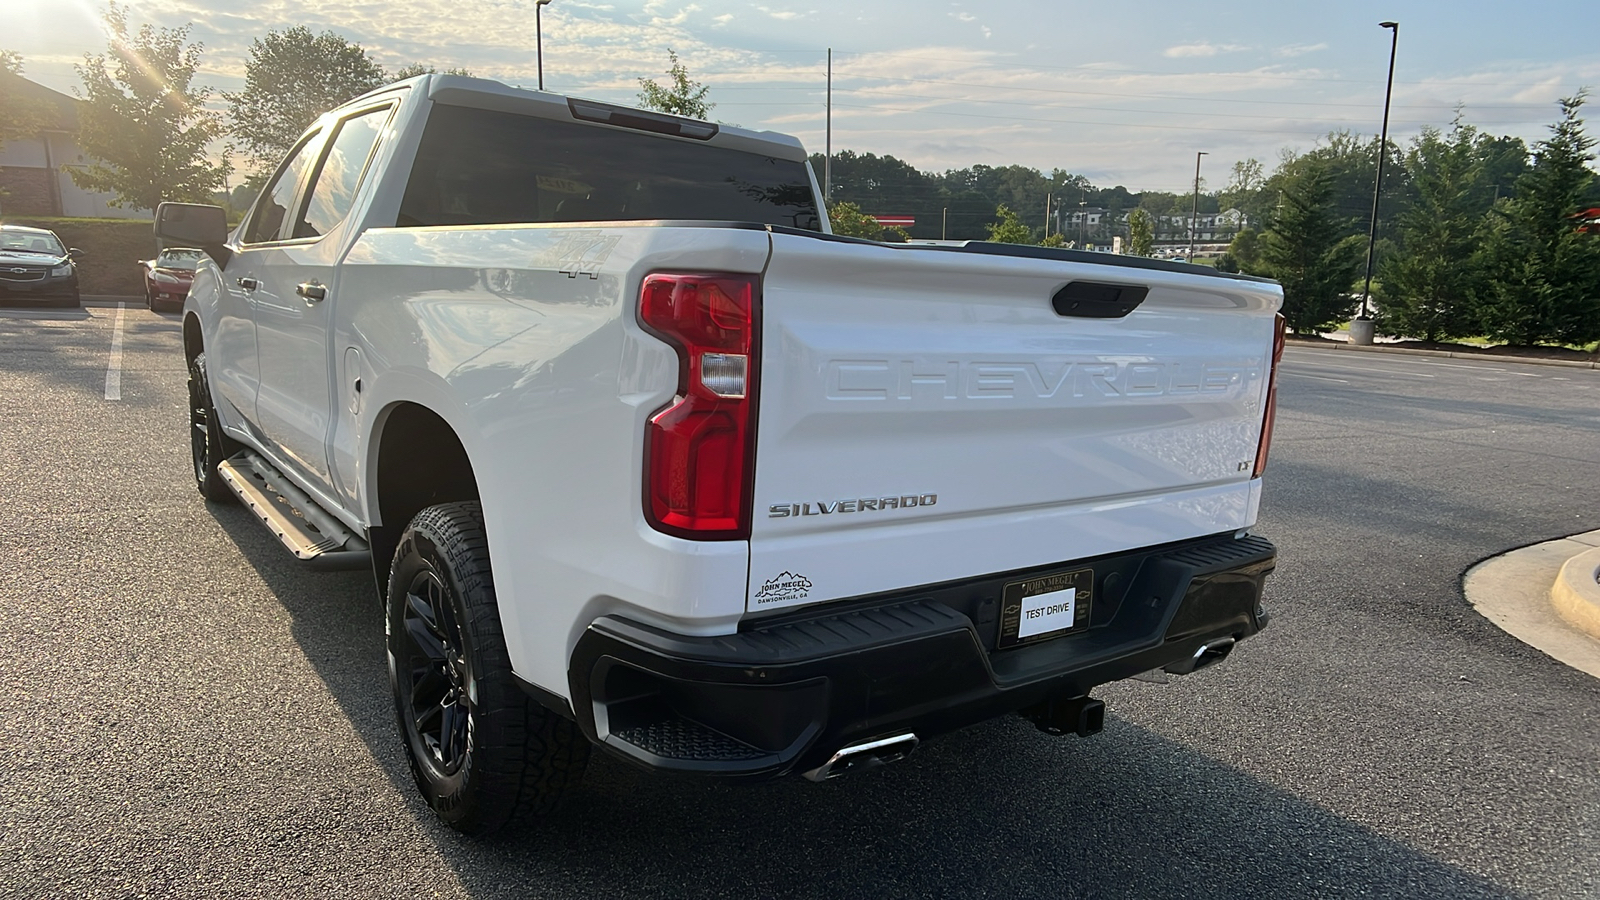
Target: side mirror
{"points": [[74, 253], [194, 225]]}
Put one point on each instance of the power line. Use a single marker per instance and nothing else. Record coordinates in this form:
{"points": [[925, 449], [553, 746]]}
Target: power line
{"points": [[1081, 70]]}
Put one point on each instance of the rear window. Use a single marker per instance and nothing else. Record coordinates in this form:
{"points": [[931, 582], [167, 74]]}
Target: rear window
{"points": [[482, 167]]}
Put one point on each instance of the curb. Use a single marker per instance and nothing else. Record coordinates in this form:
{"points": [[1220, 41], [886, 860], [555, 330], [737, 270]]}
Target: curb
{"points": [[1447, 354], [1576, 592]]}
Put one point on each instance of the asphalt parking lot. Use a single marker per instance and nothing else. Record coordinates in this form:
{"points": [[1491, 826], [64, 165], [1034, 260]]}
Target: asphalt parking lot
{"points": [[189, 713]]}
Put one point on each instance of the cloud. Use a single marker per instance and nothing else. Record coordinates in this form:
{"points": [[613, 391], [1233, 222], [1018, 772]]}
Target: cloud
{"points": [[783, 14], [964, 17], [1292, 50], [723, 19], [1200, 49]]}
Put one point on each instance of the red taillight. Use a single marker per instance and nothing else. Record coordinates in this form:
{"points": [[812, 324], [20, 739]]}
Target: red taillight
{"points": [[1272, 399], [700, 448]]}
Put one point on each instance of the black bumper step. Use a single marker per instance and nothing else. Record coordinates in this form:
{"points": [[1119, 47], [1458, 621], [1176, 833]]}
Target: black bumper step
{"points": [[783, 694]]}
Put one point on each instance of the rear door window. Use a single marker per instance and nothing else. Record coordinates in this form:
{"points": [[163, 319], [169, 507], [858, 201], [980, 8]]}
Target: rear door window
{"points": [[483, 167], [337, 178]]}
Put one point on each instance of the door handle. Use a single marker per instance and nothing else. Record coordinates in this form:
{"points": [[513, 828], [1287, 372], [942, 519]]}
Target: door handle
{"points": [[312, 291], [248, 284]]}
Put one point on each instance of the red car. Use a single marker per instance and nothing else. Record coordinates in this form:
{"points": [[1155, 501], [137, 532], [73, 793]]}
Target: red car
{"points": [[168, 276]]}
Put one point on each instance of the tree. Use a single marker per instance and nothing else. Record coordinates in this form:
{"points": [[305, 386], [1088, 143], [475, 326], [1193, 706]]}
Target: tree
{"points": [[848, 219], [1429, 288], [1141, 233], [144, 120], [1053, 239], [1544, 283], [416, 69], [1303, 248], [682, 98], [291, 78], [1009, 230], [20, 116], [1246, 190], [1245, 250]]}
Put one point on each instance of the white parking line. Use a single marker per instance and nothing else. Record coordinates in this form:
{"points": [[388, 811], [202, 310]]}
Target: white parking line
{"points": [[114, 367]]}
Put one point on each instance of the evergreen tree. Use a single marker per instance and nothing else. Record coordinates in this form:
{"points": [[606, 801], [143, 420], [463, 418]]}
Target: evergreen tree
{"points": [[682, 98], [1428, 290], [1141, 233], [1544, 283], [1304, 249], [144, 120]]}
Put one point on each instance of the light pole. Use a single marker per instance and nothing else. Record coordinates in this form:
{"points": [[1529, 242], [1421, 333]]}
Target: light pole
{"points": [[827, 159], [538, 37], [1083, 224], [1194, 213], [1361, 330]]}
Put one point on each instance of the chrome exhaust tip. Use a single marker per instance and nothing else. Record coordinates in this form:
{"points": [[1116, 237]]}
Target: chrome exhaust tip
{"points": [[865, 755], [1209, 654]]}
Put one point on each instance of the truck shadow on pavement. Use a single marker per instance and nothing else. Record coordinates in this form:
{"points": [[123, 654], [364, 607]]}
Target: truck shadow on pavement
{"points": [[997, 810]]}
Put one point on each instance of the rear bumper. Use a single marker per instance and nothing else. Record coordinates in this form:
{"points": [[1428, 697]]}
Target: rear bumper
{"points": [[44, 289], [784, 694]]}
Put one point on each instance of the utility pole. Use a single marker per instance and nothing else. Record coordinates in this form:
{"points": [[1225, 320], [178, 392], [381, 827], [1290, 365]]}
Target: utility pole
{"points": [[1083, 224], [1366, 330], [827, 162], [1194, 215], [944, 224], [1047, 214]]}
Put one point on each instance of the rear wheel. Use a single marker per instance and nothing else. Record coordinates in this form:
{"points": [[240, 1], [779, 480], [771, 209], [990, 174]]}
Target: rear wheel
{"points": [[208, 446], [483, 754]]}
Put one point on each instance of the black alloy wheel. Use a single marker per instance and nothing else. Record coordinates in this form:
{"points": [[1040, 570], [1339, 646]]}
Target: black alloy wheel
{"points": [[208, 446], [483, 754], [435, 673]]}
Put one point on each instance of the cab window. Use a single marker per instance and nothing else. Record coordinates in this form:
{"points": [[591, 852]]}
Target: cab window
{"points": [[266, 223]]}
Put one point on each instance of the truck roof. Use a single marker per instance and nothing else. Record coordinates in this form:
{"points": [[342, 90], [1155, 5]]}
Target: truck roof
{"points": [[484, 93]]}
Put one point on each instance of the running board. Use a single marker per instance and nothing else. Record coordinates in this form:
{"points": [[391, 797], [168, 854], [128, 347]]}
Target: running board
{"points": [[305, 529]]}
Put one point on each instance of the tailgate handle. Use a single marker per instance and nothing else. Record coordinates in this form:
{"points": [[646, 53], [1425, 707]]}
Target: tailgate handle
{"points": [[1094, 300]]}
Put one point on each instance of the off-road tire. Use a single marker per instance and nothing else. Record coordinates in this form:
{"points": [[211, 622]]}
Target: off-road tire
{"points": [[511, 760], [208, 446]]}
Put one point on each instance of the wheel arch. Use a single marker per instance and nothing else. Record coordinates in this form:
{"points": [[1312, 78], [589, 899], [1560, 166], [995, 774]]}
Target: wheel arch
{"points": [[193, 339], [417, 460]]}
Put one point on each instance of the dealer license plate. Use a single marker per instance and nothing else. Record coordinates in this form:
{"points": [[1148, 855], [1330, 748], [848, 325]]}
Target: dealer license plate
{"points": [[1045, 606]]}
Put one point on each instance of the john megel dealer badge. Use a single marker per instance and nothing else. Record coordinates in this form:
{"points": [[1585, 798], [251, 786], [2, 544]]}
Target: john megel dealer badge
{"points": [[783, 588]]}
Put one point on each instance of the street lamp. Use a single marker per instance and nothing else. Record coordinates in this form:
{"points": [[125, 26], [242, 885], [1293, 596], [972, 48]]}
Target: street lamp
{"points": [[1194, 214], [1361, 331], [538, 37]]}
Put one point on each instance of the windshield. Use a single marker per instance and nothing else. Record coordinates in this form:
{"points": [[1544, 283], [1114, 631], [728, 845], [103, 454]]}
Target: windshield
{"points": [[178, 259], [31, 242]]}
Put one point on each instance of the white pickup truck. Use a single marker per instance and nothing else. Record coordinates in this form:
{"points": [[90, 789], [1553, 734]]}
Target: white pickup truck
{"points": [[643, 458]]}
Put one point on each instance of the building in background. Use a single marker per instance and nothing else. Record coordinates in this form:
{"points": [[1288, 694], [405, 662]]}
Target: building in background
{"points": [[35, 171]]}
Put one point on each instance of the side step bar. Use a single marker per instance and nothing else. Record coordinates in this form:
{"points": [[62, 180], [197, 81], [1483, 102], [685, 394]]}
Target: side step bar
{"points": [[305, 529]]}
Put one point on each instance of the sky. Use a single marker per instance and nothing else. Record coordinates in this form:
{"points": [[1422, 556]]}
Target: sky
{"points": [[1122, 93]]}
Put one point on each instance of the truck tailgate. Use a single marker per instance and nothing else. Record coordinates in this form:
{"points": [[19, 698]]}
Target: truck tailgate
{"points": [[928, 415]]}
